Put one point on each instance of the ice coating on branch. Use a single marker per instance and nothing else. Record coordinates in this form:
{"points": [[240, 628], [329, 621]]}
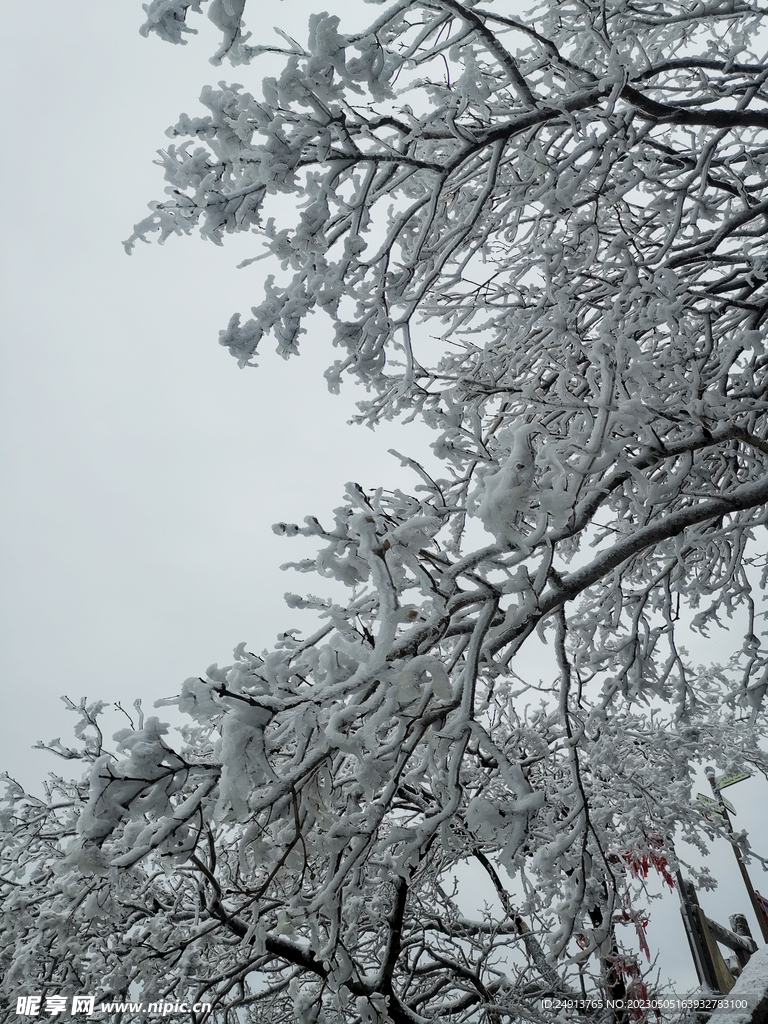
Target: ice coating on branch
{"points": [[243, 753], [506, 493], [167, 19], [421, 672]]}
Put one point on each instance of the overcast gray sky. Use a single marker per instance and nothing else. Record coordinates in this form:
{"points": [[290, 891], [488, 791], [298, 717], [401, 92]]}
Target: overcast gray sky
{"points": [[142, 469]]}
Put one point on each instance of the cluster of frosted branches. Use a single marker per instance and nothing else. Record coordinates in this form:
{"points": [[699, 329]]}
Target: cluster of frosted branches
{"points": [[543, 234]]}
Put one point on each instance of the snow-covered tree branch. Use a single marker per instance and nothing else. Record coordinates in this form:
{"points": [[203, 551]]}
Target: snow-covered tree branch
{"points": [[543, 235]]}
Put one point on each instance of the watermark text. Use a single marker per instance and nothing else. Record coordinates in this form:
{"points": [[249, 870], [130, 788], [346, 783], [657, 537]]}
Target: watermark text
{"points": [[55, 1006]]}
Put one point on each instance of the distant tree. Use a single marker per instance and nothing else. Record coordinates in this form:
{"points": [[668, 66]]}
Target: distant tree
{"points": [[545, 235]]}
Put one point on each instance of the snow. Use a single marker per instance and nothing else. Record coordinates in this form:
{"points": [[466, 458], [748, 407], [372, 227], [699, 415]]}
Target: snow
{"points": [[751, 985]]}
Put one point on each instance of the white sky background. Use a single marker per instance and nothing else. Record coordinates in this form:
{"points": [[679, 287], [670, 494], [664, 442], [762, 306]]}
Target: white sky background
{"points": [[142, 470]]}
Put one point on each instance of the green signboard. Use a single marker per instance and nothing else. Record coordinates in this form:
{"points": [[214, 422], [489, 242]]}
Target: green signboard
{"points": [[731, 780], [713, 806]]}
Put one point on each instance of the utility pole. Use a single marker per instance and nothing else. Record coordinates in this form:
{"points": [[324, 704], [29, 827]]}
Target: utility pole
{"points": [[759, 912]]}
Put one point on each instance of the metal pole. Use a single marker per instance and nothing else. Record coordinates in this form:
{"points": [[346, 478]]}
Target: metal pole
{"points": [[759, 914]]}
